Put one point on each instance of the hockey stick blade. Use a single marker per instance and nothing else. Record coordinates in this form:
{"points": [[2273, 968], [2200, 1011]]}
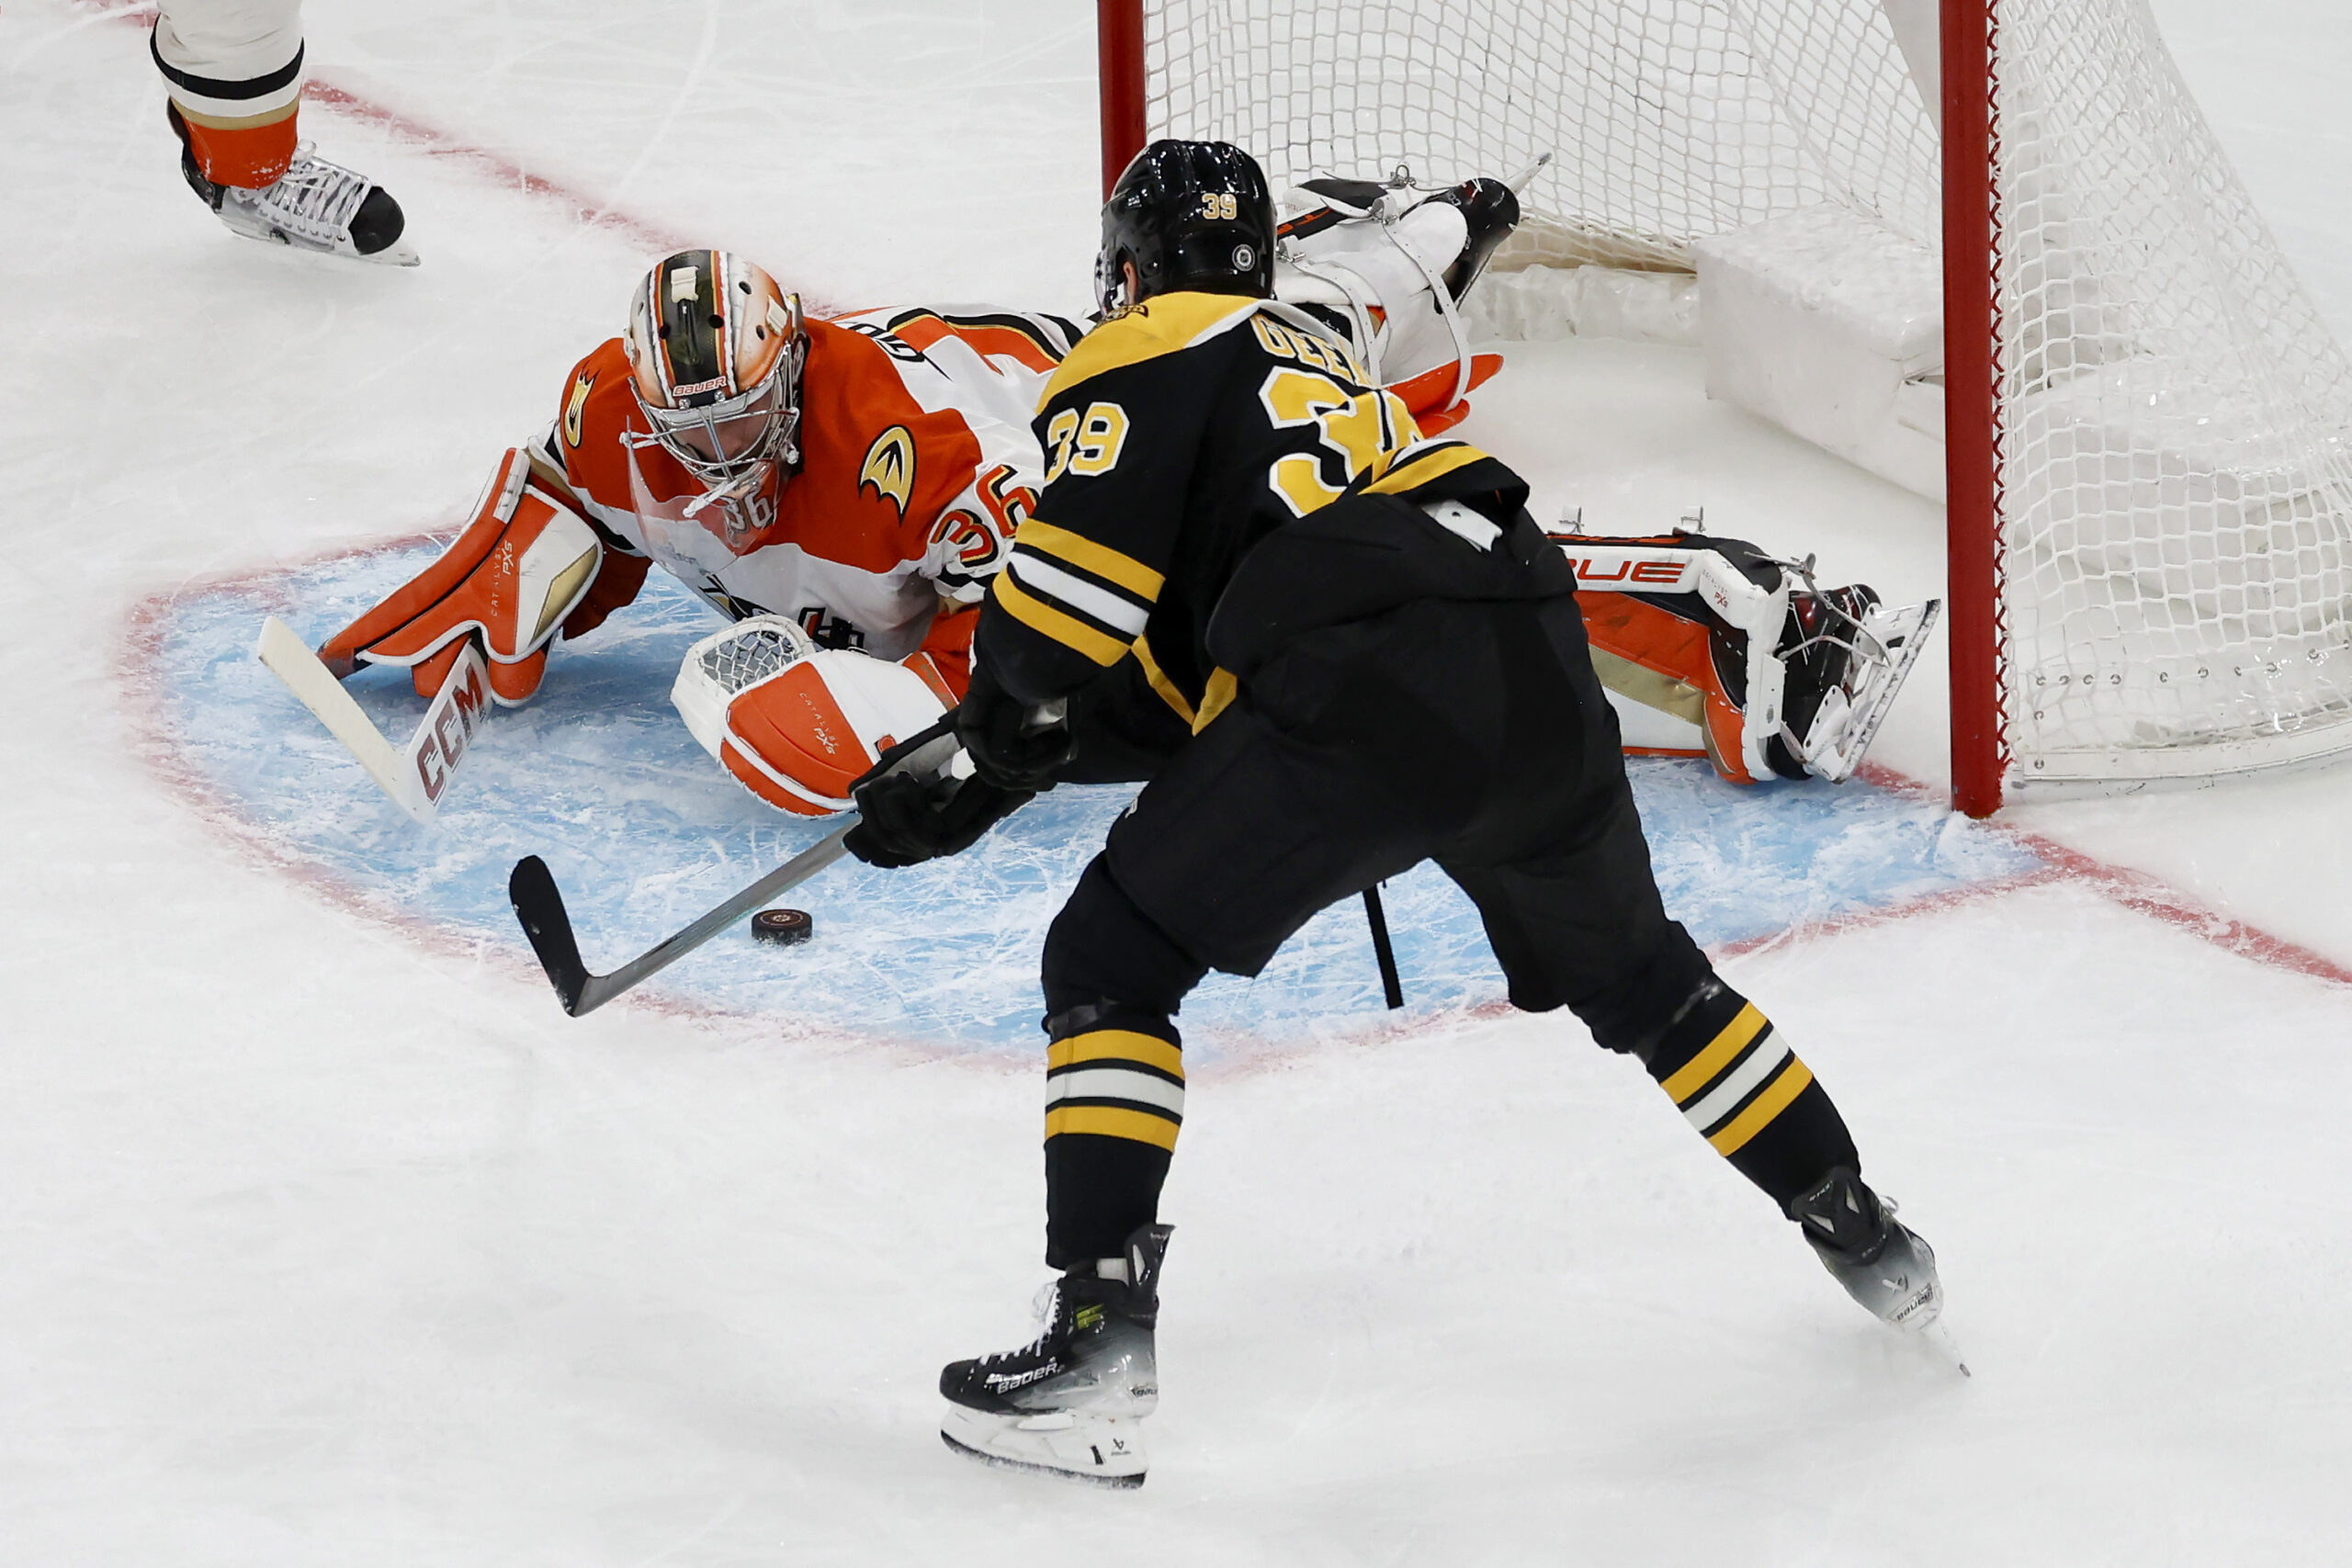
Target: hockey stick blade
{"points": [[539, 907], [538, 904]]}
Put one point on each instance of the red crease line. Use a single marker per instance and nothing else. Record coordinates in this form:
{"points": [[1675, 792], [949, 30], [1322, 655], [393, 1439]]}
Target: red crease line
{"points": [[2134, 890]]}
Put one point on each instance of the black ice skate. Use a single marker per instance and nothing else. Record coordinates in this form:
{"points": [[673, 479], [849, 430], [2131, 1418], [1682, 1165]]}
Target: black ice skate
{"points": [[1071, 1402], [1881, 1262]]}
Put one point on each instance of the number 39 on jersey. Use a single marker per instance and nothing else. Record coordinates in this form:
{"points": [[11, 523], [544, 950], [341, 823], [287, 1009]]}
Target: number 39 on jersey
{"points": [[1086, 444]]}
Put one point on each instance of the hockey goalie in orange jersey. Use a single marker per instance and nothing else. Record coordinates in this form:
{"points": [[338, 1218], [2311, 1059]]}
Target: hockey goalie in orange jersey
{"points": [[845, 487], [844, 490]]}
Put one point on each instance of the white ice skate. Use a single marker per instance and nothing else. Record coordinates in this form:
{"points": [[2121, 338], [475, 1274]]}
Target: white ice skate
{"points": [[1105, 1449], [1868, 649], [316, 206]]}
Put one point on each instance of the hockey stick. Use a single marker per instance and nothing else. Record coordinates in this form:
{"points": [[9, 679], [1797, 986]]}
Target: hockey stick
{"points": [[539, 903], [416, 775], [1391, 988]]}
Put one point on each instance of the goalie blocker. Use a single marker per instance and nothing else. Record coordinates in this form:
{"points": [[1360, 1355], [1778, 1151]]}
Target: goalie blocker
{"points": [[1709, 647]]}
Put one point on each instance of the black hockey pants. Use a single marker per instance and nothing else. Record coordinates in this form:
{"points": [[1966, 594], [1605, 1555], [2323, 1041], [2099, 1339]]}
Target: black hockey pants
{"points": [[1473, 733]]}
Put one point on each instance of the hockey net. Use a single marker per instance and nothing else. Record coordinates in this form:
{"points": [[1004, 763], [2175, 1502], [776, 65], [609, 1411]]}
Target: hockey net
{"points": [[2171, 487]]}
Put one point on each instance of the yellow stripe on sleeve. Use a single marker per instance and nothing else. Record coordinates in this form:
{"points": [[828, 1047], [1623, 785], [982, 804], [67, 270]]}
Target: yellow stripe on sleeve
{"points": [[1111, 1121], [1158, 680], [1760, 1110], [1216, 697], [1695, 1073], [1416, 471], [1100, 560], [1115, 1045], [1068, 630]]}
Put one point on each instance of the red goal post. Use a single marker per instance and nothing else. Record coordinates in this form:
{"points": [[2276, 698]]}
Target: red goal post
{"points": [[2144, 434]]}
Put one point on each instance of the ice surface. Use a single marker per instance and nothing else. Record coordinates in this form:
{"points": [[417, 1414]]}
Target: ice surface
{"points": [[598, 776], [326, 1238]]}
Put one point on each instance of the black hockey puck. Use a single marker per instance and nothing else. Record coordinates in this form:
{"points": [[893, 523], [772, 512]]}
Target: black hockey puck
{"points": [[783, 926]]}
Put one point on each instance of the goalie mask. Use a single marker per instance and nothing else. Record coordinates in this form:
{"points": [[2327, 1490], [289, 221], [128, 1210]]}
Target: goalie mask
{"points": [[715, 351], [1187, 215]]}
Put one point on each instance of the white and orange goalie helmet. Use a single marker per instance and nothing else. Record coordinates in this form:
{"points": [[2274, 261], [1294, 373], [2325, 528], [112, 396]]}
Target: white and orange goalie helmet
{"points": [[715, 352]]}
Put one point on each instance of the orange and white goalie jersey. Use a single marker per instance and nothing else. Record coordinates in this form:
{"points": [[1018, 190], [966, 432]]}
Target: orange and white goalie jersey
{"points": [[916, 466]]}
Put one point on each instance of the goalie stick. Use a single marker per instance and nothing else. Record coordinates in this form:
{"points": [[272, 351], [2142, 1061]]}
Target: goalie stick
{"points": [[539, 903], [416, 775]]}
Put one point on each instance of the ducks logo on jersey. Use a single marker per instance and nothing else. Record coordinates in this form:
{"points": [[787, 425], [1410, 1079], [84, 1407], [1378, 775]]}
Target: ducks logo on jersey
{"points": [[890, 467]]}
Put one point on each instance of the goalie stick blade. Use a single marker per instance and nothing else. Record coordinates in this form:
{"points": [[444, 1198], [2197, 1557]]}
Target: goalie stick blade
{"points": [[416, 775], [291, 660], [538, 905]]}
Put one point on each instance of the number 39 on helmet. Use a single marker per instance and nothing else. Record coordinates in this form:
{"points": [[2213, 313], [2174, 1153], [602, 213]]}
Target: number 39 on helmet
{"points": [[1187, 216]]}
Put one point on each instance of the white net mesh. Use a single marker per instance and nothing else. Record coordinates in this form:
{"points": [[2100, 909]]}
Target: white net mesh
{"points": [[2177, 490], [2177, 487], [1668, 120], [750, 652]]}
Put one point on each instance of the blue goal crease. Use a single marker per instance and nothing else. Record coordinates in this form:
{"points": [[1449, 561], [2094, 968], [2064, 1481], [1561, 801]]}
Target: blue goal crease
{"points": [[644, 833]]}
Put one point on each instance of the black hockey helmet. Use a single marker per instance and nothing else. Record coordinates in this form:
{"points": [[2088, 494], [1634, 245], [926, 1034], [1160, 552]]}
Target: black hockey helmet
{"points": [[1189, 215]]}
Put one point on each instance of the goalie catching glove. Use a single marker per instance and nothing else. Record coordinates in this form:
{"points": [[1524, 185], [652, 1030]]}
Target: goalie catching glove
{"points": [[796, 724], [526, 567], [1709, 647]]}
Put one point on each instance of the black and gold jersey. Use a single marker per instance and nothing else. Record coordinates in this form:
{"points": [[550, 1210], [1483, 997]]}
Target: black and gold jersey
{"points": [[1178, 435]]}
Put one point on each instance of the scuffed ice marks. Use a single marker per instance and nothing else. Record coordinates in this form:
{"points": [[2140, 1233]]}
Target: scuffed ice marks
{"points": [[598, 775]]}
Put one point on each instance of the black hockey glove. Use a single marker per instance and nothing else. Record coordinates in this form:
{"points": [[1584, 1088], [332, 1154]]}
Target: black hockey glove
{"points": [[906, 819], [1013, 746]]}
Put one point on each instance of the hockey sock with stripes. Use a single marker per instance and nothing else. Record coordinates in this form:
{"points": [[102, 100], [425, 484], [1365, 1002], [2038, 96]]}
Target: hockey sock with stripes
{"points": [[1114, 1101], [1115, 1068], [1737, 1083]]}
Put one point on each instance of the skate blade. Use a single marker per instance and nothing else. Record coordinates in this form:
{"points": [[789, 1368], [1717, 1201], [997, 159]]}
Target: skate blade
{"points": [[400, 252], [1903, 633], [1937, 1337], [1098, 1450]]}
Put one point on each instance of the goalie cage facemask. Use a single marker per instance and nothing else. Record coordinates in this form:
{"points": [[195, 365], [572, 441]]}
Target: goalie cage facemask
{"points": [[716, 351], [1193, 215]]}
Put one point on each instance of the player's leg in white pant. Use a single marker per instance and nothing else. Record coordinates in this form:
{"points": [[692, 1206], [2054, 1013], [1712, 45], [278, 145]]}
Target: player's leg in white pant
{"points": [[234, 70]]}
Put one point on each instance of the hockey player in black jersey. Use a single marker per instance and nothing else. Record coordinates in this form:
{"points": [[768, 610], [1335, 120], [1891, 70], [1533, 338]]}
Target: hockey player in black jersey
{"points": [[1378, 660]]}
